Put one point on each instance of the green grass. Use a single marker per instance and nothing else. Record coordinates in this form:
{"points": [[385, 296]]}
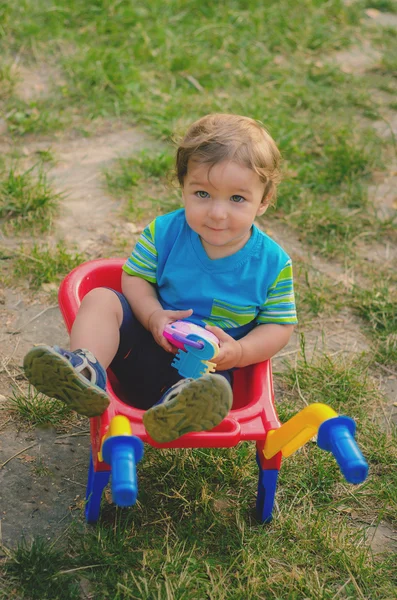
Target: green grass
{"points": [[190, 58], [389, 64], [385, 350], [170, 38], [7, 81], [377, 307], [381, 5], [315, 294], [27, 199], [35, 571], [193, 533], [347, 387], [193, 58], [324, 196], [46, 156], [178, 543], [145, 182], [333, 230], [373, 300], [48, 264], [36, 116], [127, 173], [197, 536], [35, 409]]}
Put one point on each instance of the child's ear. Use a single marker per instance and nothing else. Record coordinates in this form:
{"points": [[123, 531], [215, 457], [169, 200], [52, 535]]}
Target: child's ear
{"points": [[264, 204]]}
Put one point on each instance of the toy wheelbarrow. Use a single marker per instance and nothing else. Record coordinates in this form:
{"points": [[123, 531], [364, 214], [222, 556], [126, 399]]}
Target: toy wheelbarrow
{"points": [[118, 435]]}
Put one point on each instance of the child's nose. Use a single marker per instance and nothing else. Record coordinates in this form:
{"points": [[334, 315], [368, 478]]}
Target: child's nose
{"points": [[217, 210]]}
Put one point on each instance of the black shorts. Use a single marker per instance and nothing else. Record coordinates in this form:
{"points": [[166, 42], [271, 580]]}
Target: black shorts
{"points": [[141, 366]]}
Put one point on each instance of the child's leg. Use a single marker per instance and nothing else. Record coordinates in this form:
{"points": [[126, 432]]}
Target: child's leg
{"points": [[78, 377], [97, 325]]}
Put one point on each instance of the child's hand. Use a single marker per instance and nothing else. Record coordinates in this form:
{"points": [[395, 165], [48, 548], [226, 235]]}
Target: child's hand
{"points": [[230, 350], [159, 319]]}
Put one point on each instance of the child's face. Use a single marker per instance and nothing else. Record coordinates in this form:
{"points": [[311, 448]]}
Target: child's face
{"points": [[221, 206]]}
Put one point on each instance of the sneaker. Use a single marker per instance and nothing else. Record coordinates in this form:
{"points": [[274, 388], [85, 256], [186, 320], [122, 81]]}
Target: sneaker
{"points": [[189, 405], [57, 373]]}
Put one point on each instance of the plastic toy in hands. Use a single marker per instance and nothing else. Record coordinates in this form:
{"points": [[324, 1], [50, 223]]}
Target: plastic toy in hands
{"points": [[197, 347]]}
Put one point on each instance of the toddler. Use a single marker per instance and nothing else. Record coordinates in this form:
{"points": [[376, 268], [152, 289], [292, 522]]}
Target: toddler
{"points": [[206, 263]]}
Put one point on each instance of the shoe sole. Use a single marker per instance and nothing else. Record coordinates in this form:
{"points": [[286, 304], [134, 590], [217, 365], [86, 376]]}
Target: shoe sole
{"points": [[201, 406], [52, 375]]}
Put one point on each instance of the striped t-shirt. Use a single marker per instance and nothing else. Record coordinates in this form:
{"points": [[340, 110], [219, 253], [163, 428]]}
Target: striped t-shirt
{"points": [[237, 292]]}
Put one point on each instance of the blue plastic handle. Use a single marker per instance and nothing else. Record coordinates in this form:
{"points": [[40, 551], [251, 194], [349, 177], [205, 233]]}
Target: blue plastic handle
{"points": [[122, 452], [337, 436]]}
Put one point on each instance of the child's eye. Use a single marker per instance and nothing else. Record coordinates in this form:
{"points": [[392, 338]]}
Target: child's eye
{"points": [[236, 198], [202, 194]]}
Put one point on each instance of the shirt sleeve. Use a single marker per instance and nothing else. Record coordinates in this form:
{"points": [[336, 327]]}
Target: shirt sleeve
{"points": [[143, 260], [280, 302]]}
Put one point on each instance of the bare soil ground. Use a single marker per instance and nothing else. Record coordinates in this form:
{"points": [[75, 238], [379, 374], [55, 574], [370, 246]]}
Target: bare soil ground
{"points": [[43, 471]]}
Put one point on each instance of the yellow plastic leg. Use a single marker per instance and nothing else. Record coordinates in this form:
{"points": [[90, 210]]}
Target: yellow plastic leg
{"points": [[294, 434], [119, 425]]}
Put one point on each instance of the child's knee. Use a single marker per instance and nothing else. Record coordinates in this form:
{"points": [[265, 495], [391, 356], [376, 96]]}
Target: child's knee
{"points": [[102, 298]]}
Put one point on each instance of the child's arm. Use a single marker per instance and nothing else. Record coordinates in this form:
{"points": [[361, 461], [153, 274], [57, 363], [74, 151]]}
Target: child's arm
{"points": [[258, 345], [142, 297]]}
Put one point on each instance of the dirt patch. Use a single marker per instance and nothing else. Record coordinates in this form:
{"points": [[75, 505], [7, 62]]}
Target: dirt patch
{"points": [[384, 192], [384, 19], [26, 322], [89, 216], [382, 253], [43, 487], [358, 59], [88, 211], [43, 484], [336, 271], [35, 82], [382, 538], [388, 387]]}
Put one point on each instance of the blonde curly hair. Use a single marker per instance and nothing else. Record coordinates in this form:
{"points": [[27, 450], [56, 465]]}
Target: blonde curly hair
{"points": [[218, 137]]}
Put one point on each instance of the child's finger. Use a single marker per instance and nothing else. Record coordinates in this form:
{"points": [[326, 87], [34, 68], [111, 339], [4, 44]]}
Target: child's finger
{"points": [[162, 341], [166, 345], [181, 314]]}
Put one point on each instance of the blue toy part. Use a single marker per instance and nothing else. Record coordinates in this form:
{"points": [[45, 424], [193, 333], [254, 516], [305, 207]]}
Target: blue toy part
{"points": [[186, 341], [194, 362], [122, 453], [97, 480], [267, 485], [337, 436]]}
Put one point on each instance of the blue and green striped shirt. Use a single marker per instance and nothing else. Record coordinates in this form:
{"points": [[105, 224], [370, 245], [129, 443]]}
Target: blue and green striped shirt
{"points": [[238, 292]]}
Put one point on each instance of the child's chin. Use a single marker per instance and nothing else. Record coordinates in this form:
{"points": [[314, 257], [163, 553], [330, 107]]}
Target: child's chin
{"points": [[214, 243]]}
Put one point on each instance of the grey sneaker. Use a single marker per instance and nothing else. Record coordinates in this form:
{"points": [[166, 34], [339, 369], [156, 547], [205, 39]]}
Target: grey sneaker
{"points": [[189, 405], [57, 373]]}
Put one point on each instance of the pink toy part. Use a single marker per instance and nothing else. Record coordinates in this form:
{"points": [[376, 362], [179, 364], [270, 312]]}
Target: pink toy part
{"points": [[177, 333]]}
